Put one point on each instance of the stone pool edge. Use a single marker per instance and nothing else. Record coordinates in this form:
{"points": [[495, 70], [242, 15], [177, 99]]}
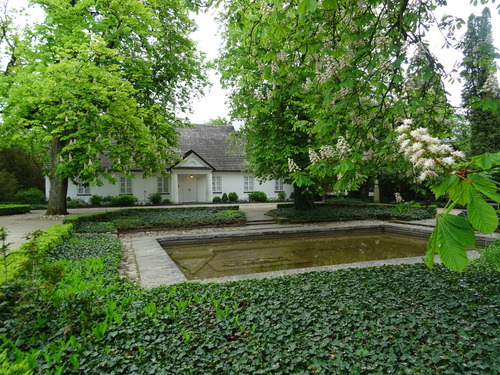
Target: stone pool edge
{"points": [[156, 268]]}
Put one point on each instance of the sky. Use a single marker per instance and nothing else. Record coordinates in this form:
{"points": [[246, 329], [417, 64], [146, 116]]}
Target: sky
{"points": [[214, 103]]}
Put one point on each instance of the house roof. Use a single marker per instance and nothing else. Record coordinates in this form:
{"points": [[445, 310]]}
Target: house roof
{"points": [[211, 143]]}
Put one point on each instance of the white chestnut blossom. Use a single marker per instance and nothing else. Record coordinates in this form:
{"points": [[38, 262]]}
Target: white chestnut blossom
{"points": [[313, 156], [425, 152], [292, 166], [327, 152]]}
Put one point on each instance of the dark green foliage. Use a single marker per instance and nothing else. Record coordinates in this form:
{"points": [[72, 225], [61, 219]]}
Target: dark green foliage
{"points": [[224, 198], [257, 196], [8, 186], [391, 319], [30, 196], [75, 203], [479, 68], [281, 195], [159, 217], [14, 209], [123, 200], [23, 167], [490, 257], [337, 211], [233, 197], [155, 198], [96, 227], [166, 201], [217, 200], [96, 200]]}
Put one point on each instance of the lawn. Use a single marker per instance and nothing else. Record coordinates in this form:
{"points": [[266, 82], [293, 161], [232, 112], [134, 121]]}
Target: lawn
{"points": [[71, 313]]}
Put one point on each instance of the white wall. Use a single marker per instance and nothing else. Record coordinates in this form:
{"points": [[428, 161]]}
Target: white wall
{"points": [[234, 182], [143, 187]]}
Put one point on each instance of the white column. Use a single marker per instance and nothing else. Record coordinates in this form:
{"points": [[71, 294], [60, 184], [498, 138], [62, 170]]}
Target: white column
{"points": [[174, 188], [209, 187]]}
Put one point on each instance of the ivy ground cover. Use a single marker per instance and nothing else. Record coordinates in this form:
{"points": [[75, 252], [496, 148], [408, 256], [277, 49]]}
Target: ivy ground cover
{"points": [[79, 316]]}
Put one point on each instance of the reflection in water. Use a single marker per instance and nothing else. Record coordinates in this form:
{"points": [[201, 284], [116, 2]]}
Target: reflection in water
{"points": [[218, 258]]}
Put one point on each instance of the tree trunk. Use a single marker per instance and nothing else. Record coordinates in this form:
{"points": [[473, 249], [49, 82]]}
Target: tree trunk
{"points": [[303, 198], [58, 186]]}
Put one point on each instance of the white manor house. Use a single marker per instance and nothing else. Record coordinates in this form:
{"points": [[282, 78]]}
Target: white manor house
{"points": [[208, 169]]}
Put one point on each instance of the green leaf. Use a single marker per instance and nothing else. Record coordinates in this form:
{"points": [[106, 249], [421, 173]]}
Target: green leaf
{"points": [[311, 5], [428, 75], [450, 238], [301, 9], [486, 161], [432, 245], [330, 4], [445, 185], [459, 192], [485, 186], [481, 215]]}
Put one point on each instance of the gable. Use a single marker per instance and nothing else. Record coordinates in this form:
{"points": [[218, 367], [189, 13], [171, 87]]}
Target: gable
{"points": [[193, 161]]}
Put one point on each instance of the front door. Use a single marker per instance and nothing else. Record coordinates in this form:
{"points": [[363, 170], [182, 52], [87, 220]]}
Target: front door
{"points": [[190, 189]]}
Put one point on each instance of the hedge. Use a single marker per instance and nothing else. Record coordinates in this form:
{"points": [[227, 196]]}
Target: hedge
{"points": [[132, 218], [335, 211], [14, 209], [37, 246]]}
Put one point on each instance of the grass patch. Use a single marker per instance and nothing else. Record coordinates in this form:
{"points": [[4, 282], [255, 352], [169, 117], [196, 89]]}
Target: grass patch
{"points": [[77, 316], [144, 218]]}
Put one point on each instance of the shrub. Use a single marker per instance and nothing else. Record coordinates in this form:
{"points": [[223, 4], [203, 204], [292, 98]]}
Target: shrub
{"points": [[8, 186], [107, 201], [155, 198], [14, 209], [224, 198], [75, 203], [217, 200], [96, 200], [167, 201], [95, 227], [233, 197], [123, 200], [490, 256], [257, 196], [30, 196], [17, 368], [28, 256], [281, 195]]}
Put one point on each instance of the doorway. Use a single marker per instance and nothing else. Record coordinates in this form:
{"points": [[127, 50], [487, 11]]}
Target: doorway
{"points": [[190, 189]]}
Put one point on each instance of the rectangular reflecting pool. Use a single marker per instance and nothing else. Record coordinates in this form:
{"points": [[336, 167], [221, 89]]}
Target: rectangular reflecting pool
{"points": [[210, 258]]}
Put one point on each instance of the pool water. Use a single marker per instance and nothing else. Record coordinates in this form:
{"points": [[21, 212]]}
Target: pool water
{"points": [[235, 256]]}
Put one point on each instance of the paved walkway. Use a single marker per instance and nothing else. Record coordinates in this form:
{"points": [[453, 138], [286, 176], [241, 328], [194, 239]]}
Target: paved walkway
{"points": [[19, 226]]}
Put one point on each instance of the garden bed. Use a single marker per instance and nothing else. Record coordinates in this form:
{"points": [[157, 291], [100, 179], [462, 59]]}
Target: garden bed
{"points": [[76, 315], [325, 212], [140, 219]]}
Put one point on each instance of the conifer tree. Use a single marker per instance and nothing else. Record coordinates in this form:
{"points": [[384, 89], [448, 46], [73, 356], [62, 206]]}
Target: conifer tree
{"points": [[479, 71]]}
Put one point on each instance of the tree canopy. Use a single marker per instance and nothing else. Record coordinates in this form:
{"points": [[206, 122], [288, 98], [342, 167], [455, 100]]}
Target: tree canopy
{"points": [[100, 79], [309, 74]]}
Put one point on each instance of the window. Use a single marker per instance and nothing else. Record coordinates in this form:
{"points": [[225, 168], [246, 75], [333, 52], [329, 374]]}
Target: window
{"points": [[83, 189], [216, 184], [278, 185], [248, 184], [125, 185], [163, 185]]}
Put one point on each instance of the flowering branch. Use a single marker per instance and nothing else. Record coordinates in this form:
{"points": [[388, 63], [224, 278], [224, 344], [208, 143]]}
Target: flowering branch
{"points": [[452, 234]]}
